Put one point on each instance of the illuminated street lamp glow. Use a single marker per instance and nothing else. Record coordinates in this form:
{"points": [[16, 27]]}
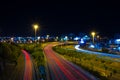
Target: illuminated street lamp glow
{"points": [[35, 27], [98, 36], [93, 35]]}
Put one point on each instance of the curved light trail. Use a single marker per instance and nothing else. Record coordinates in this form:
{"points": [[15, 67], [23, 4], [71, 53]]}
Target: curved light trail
{"points": [[98, 53], [61, 69], [28, 67]]}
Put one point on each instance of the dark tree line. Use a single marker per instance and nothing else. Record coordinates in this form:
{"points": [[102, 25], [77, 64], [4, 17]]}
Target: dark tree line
{"points": [[8, 54]]}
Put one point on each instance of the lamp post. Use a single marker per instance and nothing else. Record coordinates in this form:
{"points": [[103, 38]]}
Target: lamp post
{"points": [[93, 36], [35, 27]]}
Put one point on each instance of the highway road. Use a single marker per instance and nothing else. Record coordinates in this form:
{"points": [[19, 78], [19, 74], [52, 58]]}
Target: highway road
{"points": [[28, 67], [61, 69], [77, 47], [31, 72]]}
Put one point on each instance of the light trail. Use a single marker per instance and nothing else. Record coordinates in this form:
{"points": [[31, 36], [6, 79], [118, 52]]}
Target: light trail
{"points": [[28, 67], [61, 69], [77, 47]]}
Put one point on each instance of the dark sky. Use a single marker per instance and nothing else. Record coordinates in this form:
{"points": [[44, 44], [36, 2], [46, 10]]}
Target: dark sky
{"points": [[16, 18]]}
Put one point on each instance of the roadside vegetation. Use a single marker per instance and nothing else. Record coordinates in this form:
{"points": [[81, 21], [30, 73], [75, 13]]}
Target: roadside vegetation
{"points": [[9, 57], [37, 55], [36, 51], [12, 60], [103, 68]]}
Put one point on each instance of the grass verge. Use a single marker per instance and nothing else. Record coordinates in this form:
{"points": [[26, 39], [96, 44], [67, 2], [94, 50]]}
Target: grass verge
{"points": [[103, 69]]}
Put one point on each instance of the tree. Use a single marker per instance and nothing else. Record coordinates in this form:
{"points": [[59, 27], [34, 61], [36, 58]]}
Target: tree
{"points": [[5, 53]]}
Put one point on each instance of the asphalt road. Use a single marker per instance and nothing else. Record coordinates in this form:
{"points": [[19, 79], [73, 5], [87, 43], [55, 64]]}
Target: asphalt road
{"points": [[61, 69], [31, 71], [77, 47], [28, 67]]}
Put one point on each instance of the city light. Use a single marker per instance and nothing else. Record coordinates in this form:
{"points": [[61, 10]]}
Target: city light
{"points": [[66, 38], [76, 38], [35, 27], [82, 41], [117, 41], [93, 35], [91, 46], [38, 37]]}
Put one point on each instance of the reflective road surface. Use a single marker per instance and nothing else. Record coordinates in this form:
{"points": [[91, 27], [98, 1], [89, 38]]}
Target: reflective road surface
{"points": [[28, 67], [61, 69], [77, 47]]}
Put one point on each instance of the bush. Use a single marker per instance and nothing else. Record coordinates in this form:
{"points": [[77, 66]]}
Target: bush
{"points": [[99, 66], [9, 52], [35, 51]]}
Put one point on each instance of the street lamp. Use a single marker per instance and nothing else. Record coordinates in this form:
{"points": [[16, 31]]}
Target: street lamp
{"points": [[35, 27], [93, 35]]}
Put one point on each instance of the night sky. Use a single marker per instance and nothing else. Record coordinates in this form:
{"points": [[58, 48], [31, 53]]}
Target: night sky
{"points": [[54, 18]]}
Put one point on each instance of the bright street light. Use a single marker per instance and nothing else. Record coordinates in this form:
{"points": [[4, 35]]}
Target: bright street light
{"points": [[93, 35], [35, 27]]}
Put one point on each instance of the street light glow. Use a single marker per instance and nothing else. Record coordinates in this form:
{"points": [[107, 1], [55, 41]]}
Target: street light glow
{"points": [[93, 33], [35, 26]]}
